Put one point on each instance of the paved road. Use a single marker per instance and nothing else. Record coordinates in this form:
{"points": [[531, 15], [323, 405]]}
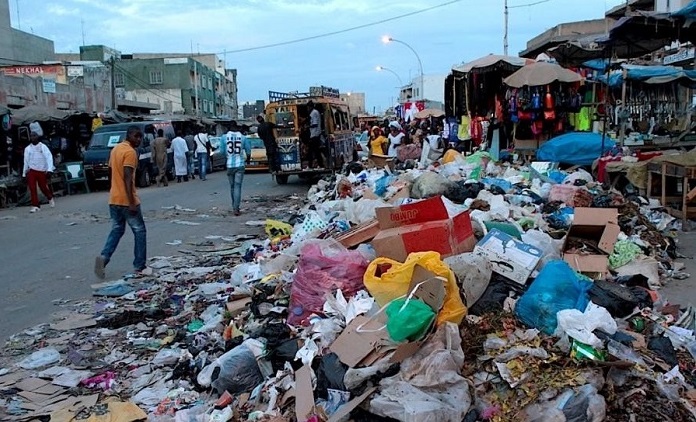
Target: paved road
{"points": [[50, 255]]}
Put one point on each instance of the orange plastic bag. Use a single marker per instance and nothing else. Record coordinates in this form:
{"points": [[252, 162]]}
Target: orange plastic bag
{"points": [[387, 280]]}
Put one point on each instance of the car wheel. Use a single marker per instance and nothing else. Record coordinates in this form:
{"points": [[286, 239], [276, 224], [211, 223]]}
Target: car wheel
{"points": [[282, 179]]}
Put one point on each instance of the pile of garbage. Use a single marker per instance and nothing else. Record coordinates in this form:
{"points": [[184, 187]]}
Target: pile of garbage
{"points": [[461, 289]]}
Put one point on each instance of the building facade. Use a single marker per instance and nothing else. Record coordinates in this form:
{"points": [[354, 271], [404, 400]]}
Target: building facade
{"points": [[251, 110], [427, 87], [355, 101], [19, 47]]}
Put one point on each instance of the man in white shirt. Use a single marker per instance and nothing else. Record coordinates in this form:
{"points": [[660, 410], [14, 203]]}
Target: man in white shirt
{"points": [[314, 147], [38, 167], [203, 149]]}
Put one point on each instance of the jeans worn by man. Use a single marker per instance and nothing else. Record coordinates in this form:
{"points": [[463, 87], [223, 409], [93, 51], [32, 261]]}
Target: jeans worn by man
{"points": [[120, 216], [236, 177], [202, 165]]}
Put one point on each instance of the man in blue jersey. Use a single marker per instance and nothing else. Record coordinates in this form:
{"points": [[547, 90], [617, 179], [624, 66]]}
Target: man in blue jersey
{"points": [[238, 151]]}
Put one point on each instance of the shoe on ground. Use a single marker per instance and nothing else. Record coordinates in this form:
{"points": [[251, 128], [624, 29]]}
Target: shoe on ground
{"points": [[99, 264], [237, 213], [52, 203], [34, 209], [147, 271]]}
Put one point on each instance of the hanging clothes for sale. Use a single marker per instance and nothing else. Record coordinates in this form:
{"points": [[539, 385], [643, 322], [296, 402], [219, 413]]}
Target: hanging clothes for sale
{"points": [[463, 132], [584, 120]]}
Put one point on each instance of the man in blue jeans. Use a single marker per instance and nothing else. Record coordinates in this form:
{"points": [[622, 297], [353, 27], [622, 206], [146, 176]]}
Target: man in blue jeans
{"points": [[124, 204], [238, 151]]}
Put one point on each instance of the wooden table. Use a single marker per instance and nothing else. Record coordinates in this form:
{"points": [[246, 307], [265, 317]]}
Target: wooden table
{"points": [[675, 186]]}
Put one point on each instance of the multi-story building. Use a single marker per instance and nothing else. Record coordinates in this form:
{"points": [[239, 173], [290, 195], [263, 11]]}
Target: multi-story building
{"points": [[250, 110], [355, 101], [197, 84], [422, 88], [19, 47]]}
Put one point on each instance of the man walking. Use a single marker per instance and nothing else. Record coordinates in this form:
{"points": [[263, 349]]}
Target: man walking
{"points": [[191, 145], [238, 151], [265, 131], [180, 158], [203, 149], [159, 156], [124, 204], [38, 167], [314, 147]]}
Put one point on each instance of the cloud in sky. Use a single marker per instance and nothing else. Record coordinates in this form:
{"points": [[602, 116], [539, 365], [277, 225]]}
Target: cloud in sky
{"points": [[443, 37]]}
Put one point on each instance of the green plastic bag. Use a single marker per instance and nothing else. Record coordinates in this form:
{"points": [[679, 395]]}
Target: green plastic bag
{"points": [[408, 319]]}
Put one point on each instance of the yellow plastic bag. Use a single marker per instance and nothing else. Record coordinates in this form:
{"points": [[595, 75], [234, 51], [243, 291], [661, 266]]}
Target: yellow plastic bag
{"points": [[395, 281], [275, 228]]}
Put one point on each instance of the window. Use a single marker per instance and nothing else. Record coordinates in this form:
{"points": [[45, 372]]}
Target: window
{"points": [[155, 77], [119, 79], [205, 106]]}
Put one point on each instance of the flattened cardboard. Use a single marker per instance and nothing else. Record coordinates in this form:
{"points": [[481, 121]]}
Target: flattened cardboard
{"points": [[31, 384], [236, 307], [353, 347], [509, 257], [304, 400]]}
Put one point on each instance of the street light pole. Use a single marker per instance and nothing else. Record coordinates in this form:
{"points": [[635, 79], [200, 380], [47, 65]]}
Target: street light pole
{"points": [[505, 37], [387, 39], [381, 68]]}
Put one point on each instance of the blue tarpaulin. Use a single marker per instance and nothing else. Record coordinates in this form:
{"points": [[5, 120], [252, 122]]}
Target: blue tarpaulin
{"points": [[688, 11], [574, 148], [648, 74]]}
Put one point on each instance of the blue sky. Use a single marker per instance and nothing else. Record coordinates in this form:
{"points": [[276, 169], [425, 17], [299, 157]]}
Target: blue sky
{"points": [[443, 37]]}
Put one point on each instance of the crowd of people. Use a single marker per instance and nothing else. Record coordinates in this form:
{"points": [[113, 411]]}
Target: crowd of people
{"points": [[401, 140]]}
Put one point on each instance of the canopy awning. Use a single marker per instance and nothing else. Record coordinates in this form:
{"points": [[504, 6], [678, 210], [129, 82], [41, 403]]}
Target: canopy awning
{"points": [[39, 113], [541, 73], [492, 62]]}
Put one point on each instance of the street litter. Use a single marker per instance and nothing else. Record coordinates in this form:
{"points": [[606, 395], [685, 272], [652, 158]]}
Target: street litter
{"points": [[464, 289]]}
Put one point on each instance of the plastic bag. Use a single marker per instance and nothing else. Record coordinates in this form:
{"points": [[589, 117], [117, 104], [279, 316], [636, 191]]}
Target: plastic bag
{"points": [[624, 252], [429, 387], [619, 300], [580, 325], [429, 184], [363, 210], [324, 266], [239, 372], [40, 358], [275, 228], [387, 280], [550, 248], [408, 319], [330, 375], [474, 274], [461, 191], [557, 287]]}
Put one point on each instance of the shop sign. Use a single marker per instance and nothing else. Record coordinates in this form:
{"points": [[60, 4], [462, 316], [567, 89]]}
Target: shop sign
{"points": [[683, 55], [75, 71], [49, 86], [176, 60], [323, 91]]}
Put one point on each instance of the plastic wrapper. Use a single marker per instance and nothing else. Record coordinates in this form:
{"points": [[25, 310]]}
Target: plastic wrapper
{"points": [[429, 184], [550, 248], [239, 372], [461, 191], [408, 319], [363, 210], [330, 375], [323, 267], [557, 287]]}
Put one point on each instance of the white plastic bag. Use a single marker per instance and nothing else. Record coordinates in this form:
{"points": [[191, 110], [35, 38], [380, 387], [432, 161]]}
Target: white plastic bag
{"points": [[429, 387], [363, 210], [40, 358], [550, 248], [473, 273], [580, 325]]}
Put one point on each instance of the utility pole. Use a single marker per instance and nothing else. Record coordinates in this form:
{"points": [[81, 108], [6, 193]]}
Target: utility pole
{"points": [[505, 37], [195, 83], [113, 82], [82, 21]]}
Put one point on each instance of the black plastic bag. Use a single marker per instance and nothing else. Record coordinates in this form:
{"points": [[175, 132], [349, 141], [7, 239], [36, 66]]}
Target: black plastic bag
{"points": [[662, 346], [330, 375], [238, 371], [461, 191], [493, 298], [619, 300], [285, 352]]}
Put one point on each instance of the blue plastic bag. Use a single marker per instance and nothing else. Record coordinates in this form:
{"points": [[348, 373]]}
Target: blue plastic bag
{"points": [[557, 287]]}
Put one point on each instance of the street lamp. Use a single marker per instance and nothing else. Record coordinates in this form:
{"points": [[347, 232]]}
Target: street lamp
{"points": [[381, 68], [387, 39]]}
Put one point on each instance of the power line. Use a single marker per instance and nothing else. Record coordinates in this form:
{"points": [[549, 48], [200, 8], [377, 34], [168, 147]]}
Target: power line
{"points": [[342, 31]]}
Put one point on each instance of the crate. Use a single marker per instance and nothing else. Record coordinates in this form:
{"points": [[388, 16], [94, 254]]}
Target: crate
{"points": [[675, 186]]}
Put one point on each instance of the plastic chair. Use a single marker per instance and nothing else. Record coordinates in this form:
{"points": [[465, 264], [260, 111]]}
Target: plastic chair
{"points": [[74, 173]]}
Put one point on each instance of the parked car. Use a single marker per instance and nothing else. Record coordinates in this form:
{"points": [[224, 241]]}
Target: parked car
{"points": [[259, 160], [96, 157]]}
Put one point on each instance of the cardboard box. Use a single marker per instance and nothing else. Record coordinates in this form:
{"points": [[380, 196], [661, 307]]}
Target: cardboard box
{"points": [[420, 227], [359, 234], [509, 257], [595, 225]]}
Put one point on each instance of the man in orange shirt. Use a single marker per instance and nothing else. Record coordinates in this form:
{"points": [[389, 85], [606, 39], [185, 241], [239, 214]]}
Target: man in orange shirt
{"points": [[124, 204]]}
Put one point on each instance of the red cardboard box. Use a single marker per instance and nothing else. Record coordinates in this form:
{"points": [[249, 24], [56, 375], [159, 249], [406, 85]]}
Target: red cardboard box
{"points": [[420, 227]]}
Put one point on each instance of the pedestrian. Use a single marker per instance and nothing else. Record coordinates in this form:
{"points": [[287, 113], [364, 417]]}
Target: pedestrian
{"points": [[238, 152], [180, 158], [396, 137], [191, 145], [314, 147], [124, 205], [38, 168], [203, 151], [159, 156], [267, 135], [378, 143]]}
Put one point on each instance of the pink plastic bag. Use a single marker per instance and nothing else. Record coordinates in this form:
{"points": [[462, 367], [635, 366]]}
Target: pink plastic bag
{"points": [[324, 266]]}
